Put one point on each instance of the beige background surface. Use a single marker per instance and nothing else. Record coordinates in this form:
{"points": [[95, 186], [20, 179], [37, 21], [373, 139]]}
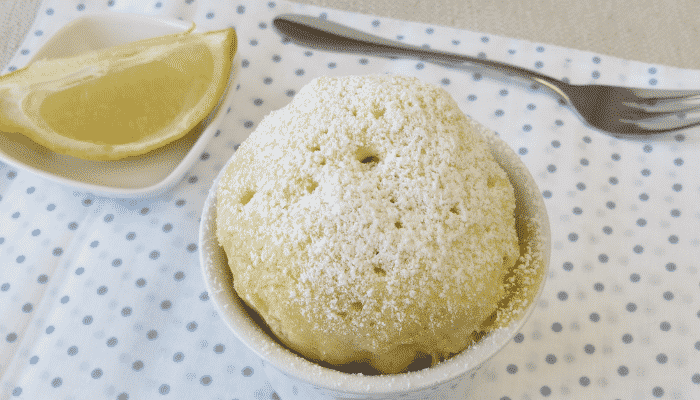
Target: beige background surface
{"points": [[656, 31]]}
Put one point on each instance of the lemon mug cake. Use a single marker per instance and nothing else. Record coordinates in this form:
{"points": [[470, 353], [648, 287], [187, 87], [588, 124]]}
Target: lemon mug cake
{"points": [[367, 221]]}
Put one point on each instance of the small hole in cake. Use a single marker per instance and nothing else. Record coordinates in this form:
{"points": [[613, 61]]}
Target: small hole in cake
{"points": [[354, 112], [356, 306], [324, 131], [315, 148], [398, 224], [370, 159], [490, 182], [378, 112], [454, 210], [323, 162], [379, 271], [342, 314], [366, 155], [247, 196], [392, 200]]}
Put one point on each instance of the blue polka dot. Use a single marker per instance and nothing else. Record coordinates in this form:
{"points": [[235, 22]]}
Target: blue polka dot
{"points": [[38, 33], [20, 259], [375, 23], [240, 9], [595, 74], [50, 329], [24, 52], [80, 7], [596, 60], [653, 81], [65, 299], [49, 11], [34, 360], [429, 31]]}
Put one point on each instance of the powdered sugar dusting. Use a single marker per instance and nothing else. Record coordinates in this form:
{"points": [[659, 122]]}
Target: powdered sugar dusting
{"points": [[366, 214]]}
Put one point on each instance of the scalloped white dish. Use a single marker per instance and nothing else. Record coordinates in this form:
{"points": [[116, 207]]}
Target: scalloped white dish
{"points": [[147, 174], [295, 377]]}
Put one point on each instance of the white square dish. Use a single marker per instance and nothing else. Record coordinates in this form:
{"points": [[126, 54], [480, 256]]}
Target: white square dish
{"points": [[147, 174]]}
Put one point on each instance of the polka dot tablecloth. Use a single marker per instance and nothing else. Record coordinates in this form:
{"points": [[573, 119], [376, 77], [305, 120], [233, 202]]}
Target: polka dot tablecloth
{"points": [[103, 298]]}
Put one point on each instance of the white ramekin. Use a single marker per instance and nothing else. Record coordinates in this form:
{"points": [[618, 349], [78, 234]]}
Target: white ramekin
{"points": [[294, 377]]}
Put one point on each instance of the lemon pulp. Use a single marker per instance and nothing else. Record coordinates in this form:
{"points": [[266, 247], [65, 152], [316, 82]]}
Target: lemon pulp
{"points": [[121, 101]]}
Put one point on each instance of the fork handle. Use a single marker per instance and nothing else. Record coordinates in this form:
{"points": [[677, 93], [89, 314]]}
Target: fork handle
{"points": [[326, 35]]}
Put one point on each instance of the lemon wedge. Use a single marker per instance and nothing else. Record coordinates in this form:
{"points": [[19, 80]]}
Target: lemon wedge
{"points": [[120, 101]]}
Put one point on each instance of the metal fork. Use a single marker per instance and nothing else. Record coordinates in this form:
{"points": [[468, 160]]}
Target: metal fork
{"points": [[619, 111]]}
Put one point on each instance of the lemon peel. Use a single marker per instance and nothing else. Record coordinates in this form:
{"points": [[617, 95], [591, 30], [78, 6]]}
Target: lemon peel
{"points": [[120, 101]]}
